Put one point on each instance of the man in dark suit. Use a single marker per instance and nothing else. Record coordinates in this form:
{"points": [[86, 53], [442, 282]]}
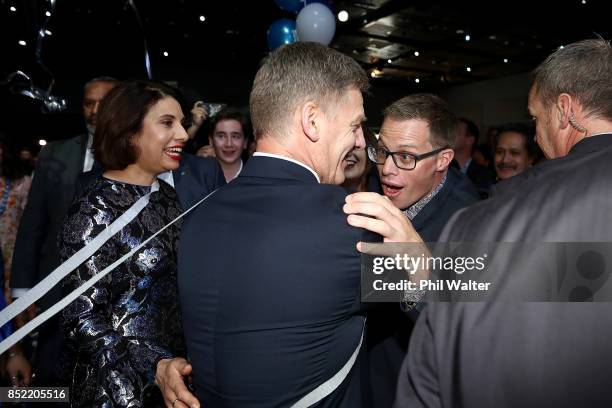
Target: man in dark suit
{"points": [[53, 188], [413, 156], [268, 269], [465, 143], [509, 353]]}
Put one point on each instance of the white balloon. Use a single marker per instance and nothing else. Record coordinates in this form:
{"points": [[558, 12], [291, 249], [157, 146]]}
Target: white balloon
{"points": [[316, 23]]}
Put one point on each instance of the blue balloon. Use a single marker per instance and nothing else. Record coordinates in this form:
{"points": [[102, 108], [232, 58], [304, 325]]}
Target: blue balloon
{"points": [[290, 5], [281, 32]]}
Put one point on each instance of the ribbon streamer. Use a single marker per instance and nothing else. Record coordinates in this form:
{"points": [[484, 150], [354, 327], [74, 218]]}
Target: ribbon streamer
{"points": [[144, 38], [50, 103]]}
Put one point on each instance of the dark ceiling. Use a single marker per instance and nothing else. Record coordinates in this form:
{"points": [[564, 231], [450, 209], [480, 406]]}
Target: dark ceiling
{"points": [[103, 36], [413, 44]]}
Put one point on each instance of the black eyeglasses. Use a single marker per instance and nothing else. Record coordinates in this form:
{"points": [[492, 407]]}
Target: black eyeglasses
{"points": [[403, 160]]}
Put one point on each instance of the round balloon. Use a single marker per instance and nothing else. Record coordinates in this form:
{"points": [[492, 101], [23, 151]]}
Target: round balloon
{"points": [[316, 23], [290, 5], [281, 32]]}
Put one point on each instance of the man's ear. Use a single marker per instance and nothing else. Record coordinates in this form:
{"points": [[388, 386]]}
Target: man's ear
{"points": [[309, 114], [445, 157], [563, 109]]}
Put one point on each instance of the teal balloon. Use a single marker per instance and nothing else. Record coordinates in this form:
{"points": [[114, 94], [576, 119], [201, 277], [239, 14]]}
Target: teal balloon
{"points": [[281, 32]]}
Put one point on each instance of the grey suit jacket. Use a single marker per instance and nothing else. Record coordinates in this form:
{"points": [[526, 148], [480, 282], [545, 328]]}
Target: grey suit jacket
{"points": [[521, 354]]}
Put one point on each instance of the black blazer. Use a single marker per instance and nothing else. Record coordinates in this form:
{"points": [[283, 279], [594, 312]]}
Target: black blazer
{"points": [[389, 328], [269, 278], [482, 177], [519, 354], [458, 192], [51, 194], [195, 178]]}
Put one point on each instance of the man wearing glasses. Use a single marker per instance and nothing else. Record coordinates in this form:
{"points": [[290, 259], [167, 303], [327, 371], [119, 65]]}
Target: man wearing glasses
{"points": [[413, 155]]}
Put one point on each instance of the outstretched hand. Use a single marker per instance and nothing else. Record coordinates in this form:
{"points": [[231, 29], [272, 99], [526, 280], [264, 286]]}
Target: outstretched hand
{"points": [[377, 214], [170, 378]]}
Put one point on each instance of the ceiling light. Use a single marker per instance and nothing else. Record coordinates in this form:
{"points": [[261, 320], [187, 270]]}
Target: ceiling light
{"points": [[583, 1], [42, 142], [21, 42], [389, 60], [13, 9], [492, 37], [47, 32], [468, 69], [460, 31], [388, 32], [467, 37], [416, 54], [561, 47], [48, 13], [202, 18], [165, 53], [376, 73], [505, 60], [417, 80], [343, 16]]}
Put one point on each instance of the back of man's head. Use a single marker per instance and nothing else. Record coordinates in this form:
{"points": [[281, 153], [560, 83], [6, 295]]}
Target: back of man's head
{"points": [[433, 110], [471, 129], [582, 69], [297, 73], [103, 79]]}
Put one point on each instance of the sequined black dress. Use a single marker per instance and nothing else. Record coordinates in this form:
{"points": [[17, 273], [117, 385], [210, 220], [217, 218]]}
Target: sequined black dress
{"points": [[118, 330]]}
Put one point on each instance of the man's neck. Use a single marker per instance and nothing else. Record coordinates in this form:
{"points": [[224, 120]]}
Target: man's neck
{"points": [[230, 170], [463, 156], [599, 127], [438, 177], [269, 145], [355, 184], [594, 128]]}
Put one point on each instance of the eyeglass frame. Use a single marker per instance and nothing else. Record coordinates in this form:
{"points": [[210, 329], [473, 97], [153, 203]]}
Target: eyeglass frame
{"points": [[417, 157]]}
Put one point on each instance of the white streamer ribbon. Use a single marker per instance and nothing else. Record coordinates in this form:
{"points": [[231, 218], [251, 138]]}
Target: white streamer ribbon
{"points": [[71, 264]]}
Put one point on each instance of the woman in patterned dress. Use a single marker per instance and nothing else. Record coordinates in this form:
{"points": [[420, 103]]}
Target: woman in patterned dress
{"points": [[119, 330]]}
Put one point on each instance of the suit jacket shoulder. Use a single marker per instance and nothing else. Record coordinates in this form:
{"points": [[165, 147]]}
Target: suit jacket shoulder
{"points": [[457, 193], [195, 178]]}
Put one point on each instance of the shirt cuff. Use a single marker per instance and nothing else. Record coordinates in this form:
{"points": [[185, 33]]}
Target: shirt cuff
{"points": [[18, 292]]}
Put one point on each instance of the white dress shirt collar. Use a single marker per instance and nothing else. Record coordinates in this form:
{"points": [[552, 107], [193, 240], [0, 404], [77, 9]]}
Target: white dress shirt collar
{"points": [[276, 156]]}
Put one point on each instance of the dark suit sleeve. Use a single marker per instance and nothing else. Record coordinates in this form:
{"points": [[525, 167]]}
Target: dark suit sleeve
{"points": [[32, 229], [418, 384], [196, 178], [215, 176]]}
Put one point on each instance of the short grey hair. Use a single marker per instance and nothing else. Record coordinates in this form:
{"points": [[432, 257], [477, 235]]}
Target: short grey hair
{"points": [[431, 109], [582, 69], [106, 79], [296, 73]]}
